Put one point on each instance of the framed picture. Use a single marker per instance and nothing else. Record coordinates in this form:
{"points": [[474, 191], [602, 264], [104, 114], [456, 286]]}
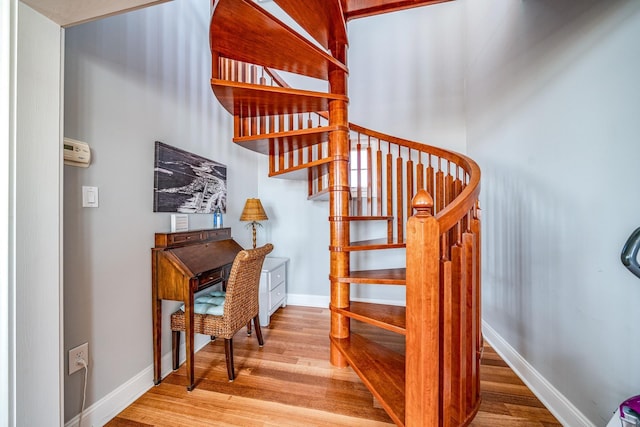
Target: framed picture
{"points": [[187, 183]]}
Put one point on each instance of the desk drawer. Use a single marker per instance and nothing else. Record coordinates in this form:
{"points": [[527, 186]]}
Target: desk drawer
{"points": [[217, 234], [276, 277], [276, 297], [174, 239], [210, 278]]}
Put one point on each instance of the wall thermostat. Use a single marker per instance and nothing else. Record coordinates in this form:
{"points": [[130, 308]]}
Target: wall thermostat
{"points": [[76, 153]]}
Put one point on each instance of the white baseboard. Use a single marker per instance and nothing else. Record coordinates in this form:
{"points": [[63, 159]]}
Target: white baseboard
{"points": [[318, 301], [558, 405]]}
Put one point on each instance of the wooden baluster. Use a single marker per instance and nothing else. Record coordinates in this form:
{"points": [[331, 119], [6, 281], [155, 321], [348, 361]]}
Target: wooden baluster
{"points": [[358, 178], [272, 157], [449, 189], [369, 179], [440, 203], [229, 70], [430, 178], [399, 199], [440, 190], [263, 117], [290, 156], [281, 127], [423, 315], [458, 347], [420, 173], [237, 126], [280, 155], [447, 305], [389, 163], [240, 71], [272, 124], [471, 328], [475, 228], [379, 180], [253, 79], [409, 174]]}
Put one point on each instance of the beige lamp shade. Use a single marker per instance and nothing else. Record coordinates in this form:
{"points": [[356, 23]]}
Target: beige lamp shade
{"points": [[253, 211]]}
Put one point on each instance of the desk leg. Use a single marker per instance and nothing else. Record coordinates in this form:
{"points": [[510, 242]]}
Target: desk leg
{"points": [[156, 308], [188, 337]]}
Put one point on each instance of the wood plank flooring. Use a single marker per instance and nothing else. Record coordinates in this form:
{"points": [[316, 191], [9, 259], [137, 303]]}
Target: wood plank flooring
{"points": [[289, 382]]}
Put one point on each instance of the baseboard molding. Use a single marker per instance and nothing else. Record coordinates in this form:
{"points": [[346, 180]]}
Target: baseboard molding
{"points": [[318, 301], [558, 405]]}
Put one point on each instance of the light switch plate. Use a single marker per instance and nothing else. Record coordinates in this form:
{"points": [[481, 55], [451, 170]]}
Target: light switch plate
{"points": [[89, 197]]}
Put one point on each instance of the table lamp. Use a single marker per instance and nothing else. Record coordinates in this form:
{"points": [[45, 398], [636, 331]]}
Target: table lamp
{"points": [[254, 212]]}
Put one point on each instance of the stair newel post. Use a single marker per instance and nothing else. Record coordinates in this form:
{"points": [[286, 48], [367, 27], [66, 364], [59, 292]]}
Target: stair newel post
{"points": [[422, 364], [339, 204]]}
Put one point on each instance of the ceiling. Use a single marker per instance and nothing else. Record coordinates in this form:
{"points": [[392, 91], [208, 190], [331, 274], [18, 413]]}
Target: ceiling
{"points": [[71, 12]]}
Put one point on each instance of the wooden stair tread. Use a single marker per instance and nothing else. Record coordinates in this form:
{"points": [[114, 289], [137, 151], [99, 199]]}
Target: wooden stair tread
{"points": [[380, 369], [320, 195], [242, 30], [306, 171], [370, 245], [252, 100], [388, 276], [389, 317], [322, 19], [367, 218], [362, 8], [283, 142]]}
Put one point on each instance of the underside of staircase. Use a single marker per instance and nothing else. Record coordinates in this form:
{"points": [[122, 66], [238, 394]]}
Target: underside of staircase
{"points": [[417, 198]]}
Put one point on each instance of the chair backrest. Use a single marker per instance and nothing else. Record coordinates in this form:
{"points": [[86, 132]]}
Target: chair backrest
{"points": [[241, 301]]}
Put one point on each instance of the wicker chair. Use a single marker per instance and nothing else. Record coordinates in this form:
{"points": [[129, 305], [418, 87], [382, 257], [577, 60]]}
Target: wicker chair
{"points": [[240, 306]]}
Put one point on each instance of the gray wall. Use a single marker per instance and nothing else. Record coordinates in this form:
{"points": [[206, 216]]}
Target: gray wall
{"points": [[35, 204], [131, 80], [553, 104]]}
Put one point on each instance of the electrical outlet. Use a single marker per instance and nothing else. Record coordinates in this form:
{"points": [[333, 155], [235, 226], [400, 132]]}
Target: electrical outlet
{"points": [[77, 354]]}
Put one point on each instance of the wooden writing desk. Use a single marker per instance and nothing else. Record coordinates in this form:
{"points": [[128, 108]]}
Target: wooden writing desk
{"points": [[183, 263]]}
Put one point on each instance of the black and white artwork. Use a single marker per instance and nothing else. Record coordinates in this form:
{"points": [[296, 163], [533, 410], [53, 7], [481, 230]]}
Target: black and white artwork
{"points": [[187, 183]]}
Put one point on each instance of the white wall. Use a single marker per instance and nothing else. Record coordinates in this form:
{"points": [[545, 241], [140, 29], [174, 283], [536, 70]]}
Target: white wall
{"points": [[7, 283], [406, 74], [35, 222], [553, 103], [131, 80]]}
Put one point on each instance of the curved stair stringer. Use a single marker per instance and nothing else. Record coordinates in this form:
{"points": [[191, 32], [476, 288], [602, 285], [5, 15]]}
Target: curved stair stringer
{"points": [[435, 381]]}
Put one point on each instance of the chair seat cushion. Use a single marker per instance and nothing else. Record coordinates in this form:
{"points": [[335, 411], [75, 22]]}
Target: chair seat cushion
{"points": [[210, 303]]}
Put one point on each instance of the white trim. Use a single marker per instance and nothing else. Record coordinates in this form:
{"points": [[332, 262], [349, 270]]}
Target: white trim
{"points": [[61, 231], [556, 402], [319, 301], [7, 282]]}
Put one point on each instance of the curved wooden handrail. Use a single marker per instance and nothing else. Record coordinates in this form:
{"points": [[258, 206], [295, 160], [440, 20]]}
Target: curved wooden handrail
{"points": [[467, 199]]}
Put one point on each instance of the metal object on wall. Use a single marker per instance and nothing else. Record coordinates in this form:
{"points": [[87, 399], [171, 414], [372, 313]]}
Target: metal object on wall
{"points": [[629, 255]]}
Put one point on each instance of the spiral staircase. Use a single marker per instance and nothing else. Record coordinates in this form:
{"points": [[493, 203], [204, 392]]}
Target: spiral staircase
{"points": [[369, 179]]}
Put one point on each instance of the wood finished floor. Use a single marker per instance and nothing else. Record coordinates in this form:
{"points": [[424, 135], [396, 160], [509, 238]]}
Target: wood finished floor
{"points": [[289, 382]]}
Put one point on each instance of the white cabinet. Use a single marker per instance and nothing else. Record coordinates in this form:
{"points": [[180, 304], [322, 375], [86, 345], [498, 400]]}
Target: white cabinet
{"points": [[273, 287]]}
